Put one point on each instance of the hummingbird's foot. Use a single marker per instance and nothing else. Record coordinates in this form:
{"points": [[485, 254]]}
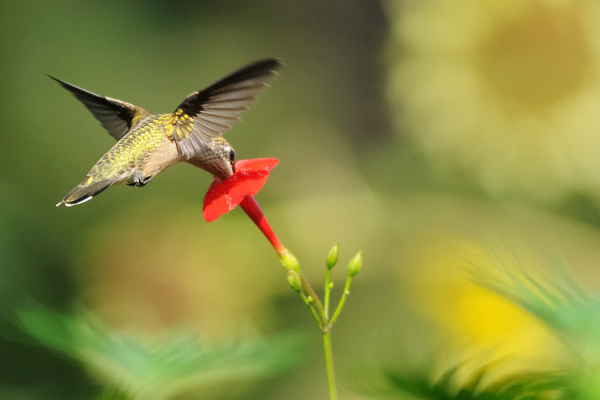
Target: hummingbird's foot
{"points": [[139, 180], [145, 181]]}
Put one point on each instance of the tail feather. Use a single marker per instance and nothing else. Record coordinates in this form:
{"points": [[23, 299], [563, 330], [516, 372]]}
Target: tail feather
{"points": [[83, 193]]}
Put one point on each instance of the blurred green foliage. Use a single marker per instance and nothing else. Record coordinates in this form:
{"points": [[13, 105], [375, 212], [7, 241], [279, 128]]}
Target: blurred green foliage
{"points": [[531, 386], [557, 300], [176, 365]]}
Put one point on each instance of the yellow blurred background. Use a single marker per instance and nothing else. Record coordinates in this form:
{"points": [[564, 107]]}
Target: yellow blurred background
{"points": [[415, 131]]}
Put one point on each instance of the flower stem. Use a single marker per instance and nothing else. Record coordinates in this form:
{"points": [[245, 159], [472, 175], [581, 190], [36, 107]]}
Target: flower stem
{"points": [[311, 292], [311, 307], [329, 363], [328, 287], [342, 301]]}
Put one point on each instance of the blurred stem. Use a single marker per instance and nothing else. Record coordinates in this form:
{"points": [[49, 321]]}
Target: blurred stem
{"points": [[112, 394], [329, 363], [342, 301]]}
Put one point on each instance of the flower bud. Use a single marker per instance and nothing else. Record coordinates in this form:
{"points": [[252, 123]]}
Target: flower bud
{"points": [[332, 257], [294, 280], [289, 261], [355, 264]]}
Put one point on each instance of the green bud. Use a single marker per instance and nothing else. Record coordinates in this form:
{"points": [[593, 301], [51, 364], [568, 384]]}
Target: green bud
{"points": [[355, 264], [332, 257], [289, 261], [294, 280]]}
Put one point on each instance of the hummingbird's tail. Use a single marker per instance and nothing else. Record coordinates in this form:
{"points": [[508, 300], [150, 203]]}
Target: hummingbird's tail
{"points": [[84, 192]]}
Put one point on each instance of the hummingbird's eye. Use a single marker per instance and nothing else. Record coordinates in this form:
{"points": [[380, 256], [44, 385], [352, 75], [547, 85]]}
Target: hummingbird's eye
{"points": [[232, 156]]}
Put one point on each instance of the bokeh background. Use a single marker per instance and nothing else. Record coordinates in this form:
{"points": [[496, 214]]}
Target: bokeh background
{"points": [[416, 131]]}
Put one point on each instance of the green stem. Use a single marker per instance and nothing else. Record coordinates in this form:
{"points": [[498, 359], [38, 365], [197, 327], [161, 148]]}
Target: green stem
{"points": [[342, 301], [329, 364], [313, 294], [312, 310], [327, 292]]}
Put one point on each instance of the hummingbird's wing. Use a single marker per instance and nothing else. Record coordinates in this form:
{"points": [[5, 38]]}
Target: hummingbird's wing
{"points": [[208, 113], [116, 116]]}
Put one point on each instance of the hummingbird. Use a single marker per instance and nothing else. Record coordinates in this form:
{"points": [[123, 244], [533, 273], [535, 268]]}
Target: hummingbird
{"points": [[148, 144]]}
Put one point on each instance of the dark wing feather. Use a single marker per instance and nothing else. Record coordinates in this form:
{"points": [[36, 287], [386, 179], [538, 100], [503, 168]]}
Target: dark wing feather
{"points": [[116, 116], [215, 109]]}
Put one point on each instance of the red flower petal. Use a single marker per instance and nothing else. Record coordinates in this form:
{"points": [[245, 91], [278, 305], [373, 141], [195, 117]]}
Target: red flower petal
{"points": [[249, 178], [256, 164]]}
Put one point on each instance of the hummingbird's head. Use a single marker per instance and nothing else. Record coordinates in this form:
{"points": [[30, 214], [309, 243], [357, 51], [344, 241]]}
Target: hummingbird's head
{"points": [[224, 163], [217, 158]]}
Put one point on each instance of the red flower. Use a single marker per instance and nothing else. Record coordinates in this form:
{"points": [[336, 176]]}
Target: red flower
{"points": [[239, 189]]}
